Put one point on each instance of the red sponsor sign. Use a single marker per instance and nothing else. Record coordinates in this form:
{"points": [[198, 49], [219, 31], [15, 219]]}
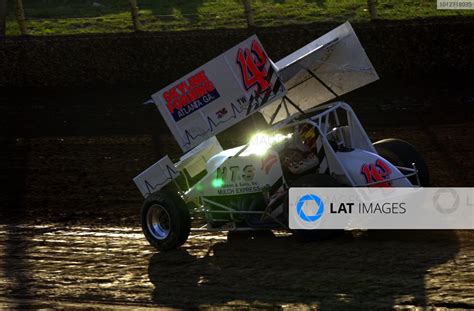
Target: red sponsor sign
{"points": [[190, 95]]}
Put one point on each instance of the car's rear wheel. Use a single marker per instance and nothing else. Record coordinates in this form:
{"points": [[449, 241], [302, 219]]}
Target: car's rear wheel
{"points": [[165, 220], [320, 181], [401, 153]]}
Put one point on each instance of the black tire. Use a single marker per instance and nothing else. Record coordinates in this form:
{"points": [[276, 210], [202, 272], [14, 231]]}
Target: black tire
{"points": [[322, 181], [401, 153], [165, 220]]}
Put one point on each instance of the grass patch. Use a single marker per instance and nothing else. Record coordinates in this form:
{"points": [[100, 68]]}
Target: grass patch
{"points": [[45, 17]]}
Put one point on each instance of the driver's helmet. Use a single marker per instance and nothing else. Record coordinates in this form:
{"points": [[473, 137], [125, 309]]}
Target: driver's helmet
{"points": [[307, 134]]}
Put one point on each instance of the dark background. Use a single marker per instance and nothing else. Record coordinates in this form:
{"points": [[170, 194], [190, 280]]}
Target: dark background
{"points": [[396, 48], [74, 131]]}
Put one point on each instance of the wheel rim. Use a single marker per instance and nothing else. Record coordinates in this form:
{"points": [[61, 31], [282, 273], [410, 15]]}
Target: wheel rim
{"points": [[158, 222]]}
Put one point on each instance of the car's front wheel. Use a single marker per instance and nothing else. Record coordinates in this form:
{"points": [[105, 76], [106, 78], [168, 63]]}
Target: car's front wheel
{"points": [[165, 220]]}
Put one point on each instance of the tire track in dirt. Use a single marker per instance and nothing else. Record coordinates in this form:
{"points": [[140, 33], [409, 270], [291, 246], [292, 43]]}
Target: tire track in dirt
{"points": [[115, 265]]}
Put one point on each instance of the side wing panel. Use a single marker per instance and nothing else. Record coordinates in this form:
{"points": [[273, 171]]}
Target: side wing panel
{"points": [[156, 176]]}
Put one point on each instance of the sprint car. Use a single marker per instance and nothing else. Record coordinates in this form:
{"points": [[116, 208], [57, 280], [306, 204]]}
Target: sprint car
{"points": [[313, 140]]}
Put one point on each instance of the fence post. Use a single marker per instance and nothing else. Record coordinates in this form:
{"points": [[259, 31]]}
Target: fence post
{"points": [[20, 17], [248, 13], [372, 9], [136, 23], [3, 17]]}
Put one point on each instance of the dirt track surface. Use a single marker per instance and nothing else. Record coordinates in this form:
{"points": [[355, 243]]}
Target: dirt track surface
{"points": [[69, 215], [73, 240], [54, 266], [77, 179]]}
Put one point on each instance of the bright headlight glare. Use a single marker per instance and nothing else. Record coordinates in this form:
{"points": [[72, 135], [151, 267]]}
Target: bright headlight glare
{"points": [[261, 142]]}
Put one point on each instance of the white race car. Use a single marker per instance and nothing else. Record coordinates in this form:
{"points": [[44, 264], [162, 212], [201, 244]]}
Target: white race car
{"points": [[310, 141]]}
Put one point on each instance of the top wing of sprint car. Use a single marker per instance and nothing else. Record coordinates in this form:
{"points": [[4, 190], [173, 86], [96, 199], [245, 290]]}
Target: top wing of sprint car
{"points": [[244, 80]]}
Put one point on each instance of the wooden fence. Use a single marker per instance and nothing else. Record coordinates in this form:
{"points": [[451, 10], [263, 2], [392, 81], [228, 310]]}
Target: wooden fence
{"points": [[135, 16]]}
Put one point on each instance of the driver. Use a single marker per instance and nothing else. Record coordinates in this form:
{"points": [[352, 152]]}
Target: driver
{"points": [[300, 154]]}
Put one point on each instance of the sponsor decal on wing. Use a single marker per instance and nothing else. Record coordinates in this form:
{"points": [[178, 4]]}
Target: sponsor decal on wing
{"points": [[190, 95]]}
